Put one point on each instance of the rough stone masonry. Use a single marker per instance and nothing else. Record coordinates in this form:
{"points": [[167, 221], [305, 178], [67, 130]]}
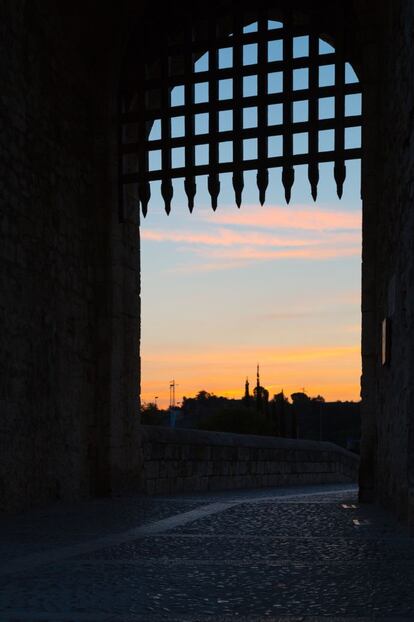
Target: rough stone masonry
{"points": [[69, 271]]}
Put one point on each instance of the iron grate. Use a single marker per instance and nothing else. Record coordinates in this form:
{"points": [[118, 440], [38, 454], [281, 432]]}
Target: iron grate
{"points": [[267, 95]]}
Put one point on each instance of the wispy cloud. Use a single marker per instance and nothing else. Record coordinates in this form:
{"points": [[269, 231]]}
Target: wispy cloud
{"points": [[255, 253], [241, 256], [323, 306], [208, 266], [229, 237], [294, 218], [280, 355], [294, 315], [233, 240]]}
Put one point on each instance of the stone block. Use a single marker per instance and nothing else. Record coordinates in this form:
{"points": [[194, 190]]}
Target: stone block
{"points": [[163, 486], [172, 451], [217, 454], [186, 452], [151, 469], [202, 452], [192, 483], [184, 468], [158, 451], [217, 467], [168, 469], [201, 468], [243, 454], [260, 467]]}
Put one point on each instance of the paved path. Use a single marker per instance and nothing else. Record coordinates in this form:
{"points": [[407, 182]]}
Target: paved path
{"points": [[291, 554]]}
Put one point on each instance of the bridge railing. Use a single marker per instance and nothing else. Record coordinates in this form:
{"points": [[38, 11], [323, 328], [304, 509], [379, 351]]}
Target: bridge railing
{"points": [[193, 460]]}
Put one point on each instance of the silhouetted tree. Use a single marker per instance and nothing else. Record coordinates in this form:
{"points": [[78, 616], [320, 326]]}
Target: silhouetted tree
{"points": [[280, 415], [152, 415], [318, 398], [239, 419], [203, 395]]}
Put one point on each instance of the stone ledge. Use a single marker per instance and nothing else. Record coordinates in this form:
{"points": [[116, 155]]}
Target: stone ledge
{"points": [[162, 434], [195, 460]]}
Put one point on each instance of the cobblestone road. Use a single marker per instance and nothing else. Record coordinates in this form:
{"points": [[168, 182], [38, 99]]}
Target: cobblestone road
{"points": [[288, 554]]}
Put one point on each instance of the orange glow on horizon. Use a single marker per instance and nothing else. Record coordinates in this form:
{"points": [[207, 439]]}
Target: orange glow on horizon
{"points": [[202, 350], [328, 371]]}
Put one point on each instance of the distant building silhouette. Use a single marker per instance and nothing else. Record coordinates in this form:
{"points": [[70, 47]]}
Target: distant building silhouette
{"points": [[261, 395], [303, 417], [247, 397]]}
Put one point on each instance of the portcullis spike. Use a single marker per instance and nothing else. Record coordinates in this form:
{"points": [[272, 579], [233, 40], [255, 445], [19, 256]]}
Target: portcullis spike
{"points": [[190, 188], [313, 176], [340, 175], [262, 183], [288, 178], [238, 185], [144, 194], [167, 193], [213, 185]]}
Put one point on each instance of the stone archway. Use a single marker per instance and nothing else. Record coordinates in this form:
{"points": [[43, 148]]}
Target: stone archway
{"points": [[59, 205], [154, 105]]}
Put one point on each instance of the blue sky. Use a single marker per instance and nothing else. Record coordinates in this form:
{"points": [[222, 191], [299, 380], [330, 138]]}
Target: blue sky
{"points": [[277, 284]]}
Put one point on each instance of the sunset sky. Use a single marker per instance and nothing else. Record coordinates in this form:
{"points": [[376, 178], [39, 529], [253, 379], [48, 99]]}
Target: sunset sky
{"points": [[277, 285]]}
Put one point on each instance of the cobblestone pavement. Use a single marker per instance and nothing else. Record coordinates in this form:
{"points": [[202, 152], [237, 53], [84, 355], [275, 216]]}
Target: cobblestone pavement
{"points": [[309, 554]]}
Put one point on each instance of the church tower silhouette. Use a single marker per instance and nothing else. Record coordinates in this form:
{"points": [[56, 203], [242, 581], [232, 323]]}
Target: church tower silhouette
{"points": [[261, 394], [246, 390]]}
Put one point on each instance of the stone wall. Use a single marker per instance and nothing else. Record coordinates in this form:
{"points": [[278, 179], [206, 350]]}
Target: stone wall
{"points": [[387, 459], [190, 460], [69, 271]]}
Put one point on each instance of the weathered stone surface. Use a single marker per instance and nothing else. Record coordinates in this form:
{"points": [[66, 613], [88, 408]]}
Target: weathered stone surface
{"points": [[387, 456], [69, 272], [290, 554], [313, 462]]}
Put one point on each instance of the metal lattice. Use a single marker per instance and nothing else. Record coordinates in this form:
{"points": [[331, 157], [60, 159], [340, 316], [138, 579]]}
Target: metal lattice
{"points": [[272, 68]]}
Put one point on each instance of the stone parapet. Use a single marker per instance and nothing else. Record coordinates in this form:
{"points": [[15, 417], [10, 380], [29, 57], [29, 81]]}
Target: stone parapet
{"points": [[191, 460]]}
